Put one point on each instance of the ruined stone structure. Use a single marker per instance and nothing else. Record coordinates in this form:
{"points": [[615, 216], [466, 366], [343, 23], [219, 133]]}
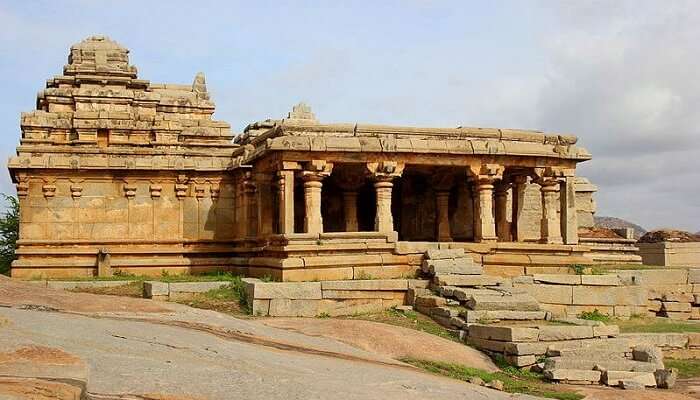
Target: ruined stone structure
{"points": [[117, 173]]}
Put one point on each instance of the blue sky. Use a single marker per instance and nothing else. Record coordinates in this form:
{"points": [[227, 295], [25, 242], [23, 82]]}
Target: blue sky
{"points": [[623, 76]]}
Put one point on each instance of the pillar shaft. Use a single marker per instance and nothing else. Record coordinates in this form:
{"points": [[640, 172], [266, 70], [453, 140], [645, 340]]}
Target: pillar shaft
{"points": [[551, 227], [312, 175], [350, 210], [569, 217], [502, 224], [484, 223], [442, 201], [384, 220], [313, 221], [285, 185], [518, 220], [265, 205]]}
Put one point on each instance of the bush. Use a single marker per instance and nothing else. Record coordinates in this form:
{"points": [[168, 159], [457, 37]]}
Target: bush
{"points": [[9, 233]]}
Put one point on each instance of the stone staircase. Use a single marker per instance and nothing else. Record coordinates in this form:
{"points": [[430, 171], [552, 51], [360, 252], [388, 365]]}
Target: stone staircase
{"points": [[612, 362], [460, 294]]}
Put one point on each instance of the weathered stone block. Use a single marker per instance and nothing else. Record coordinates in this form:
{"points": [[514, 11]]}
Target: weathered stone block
{"points": [[282, 307], [675, 307], [430, 301], [516, 302], [648, 353], [594, 361], [602, 295], [520, 361], [374, 284], [664, 340], [678, 297], [485, 344], [678, 316], [260, 308], [615, 378], [606, 330], [694, 275], [155, 288], [553, 333], [439, 254], [601, 280], [413, 293], [288, 290], [451, 266], [575, 375], [503, 333], [550, 294]]}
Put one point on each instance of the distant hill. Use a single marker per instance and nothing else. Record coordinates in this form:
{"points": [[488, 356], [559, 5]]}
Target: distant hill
{"points": [[612, 223]]}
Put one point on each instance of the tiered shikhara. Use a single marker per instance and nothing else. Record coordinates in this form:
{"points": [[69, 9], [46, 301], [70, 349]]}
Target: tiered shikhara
{"points": [[112, 164]]}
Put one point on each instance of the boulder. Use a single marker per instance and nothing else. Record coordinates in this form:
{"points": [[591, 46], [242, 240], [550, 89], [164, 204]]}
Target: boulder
{"points": [[666, 378], [648, 353]]}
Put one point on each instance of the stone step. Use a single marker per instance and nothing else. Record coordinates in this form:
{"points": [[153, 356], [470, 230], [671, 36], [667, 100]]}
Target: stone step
{"points": [[620, 364], [449, 266], [615, 378], [573, 376], [502, 315], [464, 294], [440, 254], [515, 302]]}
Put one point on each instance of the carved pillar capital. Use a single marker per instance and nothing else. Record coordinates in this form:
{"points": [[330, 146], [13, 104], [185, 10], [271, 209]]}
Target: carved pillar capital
{"points": [[316, 170], [486, 174], [385, 170]]}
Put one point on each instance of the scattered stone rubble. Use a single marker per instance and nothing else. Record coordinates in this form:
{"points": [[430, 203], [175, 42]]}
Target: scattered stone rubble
{"points": [[500, 318]]}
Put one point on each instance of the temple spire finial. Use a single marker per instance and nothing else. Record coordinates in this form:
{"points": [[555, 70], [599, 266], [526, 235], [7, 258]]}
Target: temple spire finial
{"points": [[302, 111]]}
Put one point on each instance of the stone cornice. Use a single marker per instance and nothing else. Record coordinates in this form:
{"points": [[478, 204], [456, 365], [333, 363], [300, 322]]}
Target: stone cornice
{"points": [[289, 135]]}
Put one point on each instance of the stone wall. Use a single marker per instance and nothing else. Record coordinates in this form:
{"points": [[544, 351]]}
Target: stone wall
{"points": [[570, 295], [311, 299], [677, 254]]}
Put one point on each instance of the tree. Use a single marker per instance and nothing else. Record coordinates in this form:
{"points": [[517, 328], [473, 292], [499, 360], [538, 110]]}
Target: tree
{"points": [[9, 233]]}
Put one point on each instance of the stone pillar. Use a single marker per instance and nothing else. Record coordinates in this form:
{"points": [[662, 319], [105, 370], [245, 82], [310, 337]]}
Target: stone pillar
{"points": [[350, 210], [265, 205], [249, 224], [285, 187], [569, 213], [502, 224], [518, 220], [442, 200], [484, 222], [551, 227], [442, 180], [313, 174], [350, 179], [383, 174]]}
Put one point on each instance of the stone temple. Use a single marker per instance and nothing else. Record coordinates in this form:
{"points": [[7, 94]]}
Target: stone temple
{"points": [[116, 173]]}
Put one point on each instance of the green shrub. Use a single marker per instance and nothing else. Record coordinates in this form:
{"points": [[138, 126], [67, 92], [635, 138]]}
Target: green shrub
{"points": [[9, 233], [594, 315]]}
